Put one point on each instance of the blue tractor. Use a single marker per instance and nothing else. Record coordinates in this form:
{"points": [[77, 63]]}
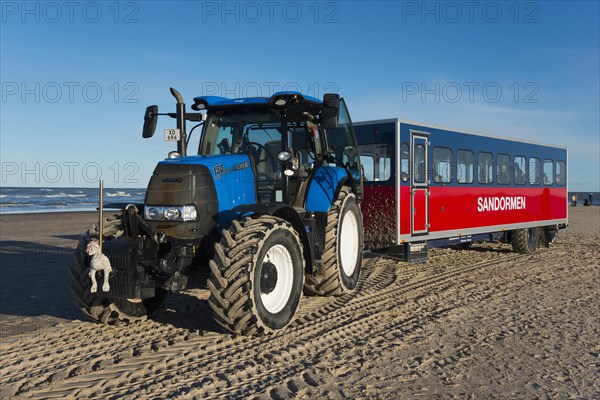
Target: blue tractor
{"points": [[268, 205]]}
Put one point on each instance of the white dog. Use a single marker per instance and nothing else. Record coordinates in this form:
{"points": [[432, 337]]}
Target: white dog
{"points": [[99, 263]]}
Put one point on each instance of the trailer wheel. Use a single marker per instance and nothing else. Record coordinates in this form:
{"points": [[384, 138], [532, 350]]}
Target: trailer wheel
{"points": [[256, 275], [98, 306], [341, 263], [525, 240]]}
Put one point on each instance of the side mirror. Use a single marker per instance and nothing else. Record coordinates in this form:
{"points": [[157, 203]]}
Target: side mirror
{"points": [[150, 119], [331, 108]]}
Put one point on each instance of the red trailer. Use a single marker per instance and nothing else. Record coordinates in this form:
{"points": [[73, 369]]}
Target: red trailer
{"points": [[429, 186]]}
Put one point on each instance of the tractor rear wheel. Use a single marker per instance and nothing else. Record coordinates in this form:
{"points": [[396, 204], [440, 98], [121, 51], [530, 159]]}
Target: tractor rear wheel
{"points": [[256, 275], [525, 240], [99, 306], [341, 262]]}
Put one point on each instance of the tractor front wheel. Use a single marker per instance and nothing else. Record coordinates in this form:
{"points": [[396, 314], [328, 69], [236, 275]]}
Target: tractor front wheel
{"points": [[256, 275]]}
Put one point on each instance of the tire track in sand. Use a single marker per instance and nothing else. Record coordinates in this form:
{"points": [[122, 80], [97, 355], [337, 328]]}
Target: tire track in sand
{"points": [[318, 319]]}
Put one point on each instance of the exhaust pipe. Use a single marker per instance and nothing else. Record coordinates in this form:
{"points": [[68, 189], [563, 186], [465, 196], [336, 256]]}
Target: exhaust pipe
{"points": [[180, 115]]}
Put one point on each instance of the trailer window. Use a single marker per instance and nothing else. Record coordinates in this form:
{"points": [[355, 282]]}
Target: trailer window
{"points": [[377, 160], [385, 168], [519, 170], [442, 160], [535, 171], [548, 171], [464, 166], [503, 169], [404, 162], [561, 173], [419, 164], [368, 165], [486, 167]]}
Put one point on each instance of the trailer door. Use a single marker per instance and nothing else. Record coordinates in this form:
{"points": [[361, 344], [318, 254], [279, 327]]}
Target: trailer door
{"points": [[419, 193]]}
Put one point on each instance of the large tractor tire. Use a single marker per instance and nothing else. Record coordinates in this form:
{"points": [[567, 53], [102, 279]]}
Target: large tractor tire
{"points": [[525, 240], [341, 263], [256, 275], [99, 306]]}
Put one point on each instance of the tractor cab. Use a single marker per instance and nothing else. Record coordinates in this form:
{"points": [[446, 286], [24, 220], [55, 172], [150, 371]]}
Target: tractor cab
{"points": [[285, 136]]}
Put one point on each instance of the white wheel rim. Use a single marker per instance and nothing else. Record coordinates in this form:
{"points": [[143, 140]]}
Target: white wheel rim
{"points": [[274, 301], [349, 243]]}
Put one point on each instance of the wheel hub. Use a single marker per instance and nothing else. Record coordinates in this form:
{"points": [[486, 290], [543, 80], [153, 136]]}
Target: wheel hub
{"points": [[268, 277]]}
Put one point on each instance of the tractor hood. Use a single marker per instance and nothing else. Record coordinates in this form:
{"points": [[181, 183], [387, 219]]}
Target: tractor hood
{"points": [[213, 184]]}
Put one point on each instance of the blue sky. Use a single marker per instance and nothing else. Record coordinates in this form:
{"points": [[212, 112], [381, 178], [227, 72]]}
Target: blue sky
{"points": [[76, 78]]}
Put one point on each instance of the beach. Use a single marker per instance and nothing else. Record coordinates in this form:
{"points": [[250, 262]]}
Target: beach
{"points": [[482, 323]]}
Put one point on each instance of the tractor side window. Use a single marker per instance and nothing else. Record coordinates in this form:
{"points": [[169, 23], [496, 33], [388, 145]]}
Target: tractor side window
{"points": [[548, 172], [442, 159], [486, 167], [503, 173], [561, 173], [464, 166], [218, 139], [342, 147], [520, 173], [404, 162], [535, 171]]}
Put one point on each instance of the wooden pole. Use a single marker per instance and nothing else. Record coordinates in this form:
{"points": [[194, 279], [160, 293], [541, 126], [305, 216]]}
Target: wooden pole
{"points": [[101, 212]]}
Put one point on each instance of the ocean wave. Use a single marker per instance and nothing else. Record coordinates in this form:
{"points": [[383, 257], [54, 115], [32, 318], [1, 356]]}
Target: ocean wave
{"points": [[118, 194], [13, 204], [52, 196]]}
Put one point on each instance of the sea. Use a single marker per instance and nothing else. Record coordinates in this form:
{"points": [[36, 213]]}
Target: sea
{"points": [[15, 200]]}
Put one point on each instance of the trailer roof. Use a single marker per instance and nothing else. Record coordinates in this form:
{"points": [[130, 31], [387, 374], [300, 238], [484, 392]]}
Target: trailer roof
{"points": [[464, 131]]}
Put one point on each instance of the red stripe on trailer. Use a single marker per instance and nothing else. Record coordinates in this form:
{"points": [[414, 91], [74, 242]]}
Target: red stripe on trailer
{"points": [[452, 208]]}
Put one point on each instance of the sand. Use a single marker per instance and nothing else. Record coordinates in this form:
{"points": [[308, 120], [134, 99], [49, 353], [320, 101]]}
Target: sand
{"points": [[482, 323]]}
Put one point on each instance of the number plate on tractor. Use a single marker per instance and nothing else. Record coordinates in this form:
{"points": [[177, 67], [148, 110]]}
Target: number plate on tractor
{"points": [[172, 135]]}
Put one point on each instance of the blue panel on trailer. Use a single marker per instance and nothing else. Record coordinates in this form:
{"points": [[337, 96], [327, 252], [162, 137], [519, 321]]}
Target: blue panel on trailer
{"points": [[457, 140], [232, 174], [323, 186]]}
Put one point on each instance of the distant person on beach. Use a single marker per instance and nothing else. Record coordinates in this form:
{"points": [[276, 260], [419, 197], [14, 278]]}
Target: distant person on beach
{"points": [[591, 197], [574, 200]]}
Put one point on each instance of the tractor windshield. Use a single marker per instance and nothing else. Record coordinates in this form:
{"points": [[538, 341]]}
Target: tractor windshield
{"points": [[259, 133]]}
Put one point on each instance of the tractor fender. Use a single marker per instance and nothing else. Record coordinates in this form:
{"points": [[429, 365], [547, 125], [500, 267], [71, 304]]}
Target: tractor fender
{"points": [[287, 213], [324, 187]]}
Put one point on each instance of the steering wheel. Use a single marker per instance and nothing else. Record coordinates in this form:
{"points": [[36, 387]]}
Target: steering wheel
{"points": [[255, 149]]}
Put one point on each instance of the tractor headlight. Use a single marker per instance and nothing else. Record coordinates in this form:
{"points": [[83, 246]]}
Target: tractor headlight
{"points": [[189, 213], [152, 213], [171, 213]]}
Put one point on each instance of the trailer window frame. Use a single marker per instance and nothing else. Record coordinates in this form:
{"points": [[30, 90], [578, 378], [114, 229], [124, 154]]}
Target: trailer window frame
{"points": [[489, 168], [563, 175], [548, 180], [404, 161], [535, 174], [503, 176], [523, 175], [466, 168], [447, 178]]}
